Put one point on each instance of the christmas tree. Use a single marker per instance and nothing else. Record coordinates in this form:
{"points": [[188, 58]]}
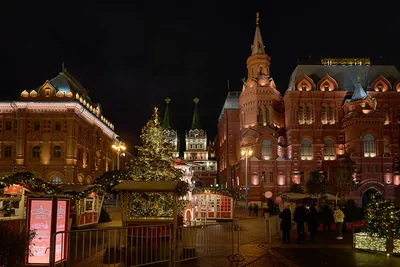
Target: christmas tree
{"points": [[153, 163], [381, 217]]}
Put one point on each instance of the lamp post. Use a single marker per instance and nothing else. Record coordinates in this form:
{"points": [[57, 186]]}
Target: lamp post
{"points": [[119, 147], [246, 152]]}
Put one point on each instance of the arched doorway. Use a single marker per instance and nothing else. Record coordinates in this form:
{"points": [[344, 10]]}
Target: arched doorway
{"points": [[366, 197]]}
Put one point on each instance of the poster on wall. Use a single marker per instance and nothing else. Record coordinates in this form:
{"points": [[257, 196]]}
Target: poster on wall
{"points": [[61, 225], [40, 222]]}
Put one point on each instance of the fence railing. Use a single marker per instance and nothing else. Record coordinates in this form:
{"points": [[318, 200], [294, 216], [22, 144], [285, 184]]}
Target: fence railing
{"points": [[139, 245]]}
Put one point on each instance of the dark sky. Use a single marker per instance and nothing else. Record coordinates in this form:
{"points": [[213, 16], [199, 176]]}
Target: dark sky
{"points": [[131, 55]]}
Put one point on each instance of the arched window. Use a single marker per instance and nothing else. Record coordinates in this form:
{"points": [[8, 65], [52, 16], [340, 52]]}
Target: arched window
{"points": [[369, 146], [329, 149], [303, 86], [326, 86], [324, 118], [7, 152], [56, 180], [385, 146], [300, 115], [57, 151], [308, 114], [306, 150], [268, 117], [266, 150], [331, 115], [387, 116], [260, 117], [36, 152]]}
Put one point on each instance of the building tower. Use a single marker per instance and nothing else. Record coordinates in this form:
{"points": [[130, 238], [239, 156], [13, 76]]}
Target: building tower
{"points": [[196, 152], [171, 134]]}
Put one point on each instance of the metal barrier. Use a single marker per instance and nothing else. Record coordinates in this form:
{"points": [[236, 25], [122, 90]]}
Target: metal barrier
{"points": [[139, 245]]}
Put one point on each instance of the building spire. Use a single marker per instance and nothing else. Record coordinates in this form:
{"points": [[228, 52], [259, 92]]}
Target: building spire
{"points": [[196, 116], [257, 48], [359, 92], [166, 121]]}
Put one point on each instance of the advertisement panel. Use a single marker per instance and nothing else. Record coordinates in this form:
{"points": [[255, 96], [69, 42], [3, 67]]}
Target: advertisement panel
{"points": [[61, 225], [40, 222]]}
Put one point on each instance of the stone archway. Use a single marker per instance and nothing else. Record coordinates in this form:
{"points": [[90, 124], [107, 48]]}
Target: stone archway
{"points": [[366, 196]]}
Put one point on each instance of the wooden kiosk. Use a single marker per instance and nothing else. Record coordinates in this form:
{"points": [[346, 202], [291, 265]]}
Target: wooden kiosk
{"points": [[84, 211]]}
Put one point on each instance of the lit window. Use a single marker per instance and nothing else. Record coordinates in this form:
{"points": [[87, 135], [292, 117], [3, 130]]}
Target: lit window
{"points": [[36, 152], [260, 117], [56, 180], [266, 151], [303, 86], [385, 146], [57, 151], [7, 152], [369, 146], [331, 115], [308, 114], [380, 86], [306, 150], [300, 115], [329, 149], [326, 87], [324, 117]]}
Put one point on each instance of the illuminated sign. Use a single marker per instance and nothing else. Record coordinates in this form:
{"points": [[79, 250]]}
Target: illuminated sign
{"points": [[61, 225], [40, 222], [13, 190]]}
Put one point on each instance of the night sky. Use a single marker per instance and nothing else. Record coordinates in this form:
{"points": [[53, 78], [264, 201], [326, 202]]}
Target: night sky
{"points": [[131, 56]]}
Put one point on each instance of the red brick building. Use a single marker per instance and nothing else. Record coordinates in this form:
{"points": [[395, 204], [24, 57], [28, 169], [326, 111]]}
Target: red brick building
{"points": [[342, 105]]}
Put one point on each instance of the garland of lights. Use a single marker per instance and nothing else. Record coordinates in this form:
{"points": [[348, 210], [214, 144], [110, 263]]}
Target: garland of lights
{"points": [[236, 195], [29, 181]]}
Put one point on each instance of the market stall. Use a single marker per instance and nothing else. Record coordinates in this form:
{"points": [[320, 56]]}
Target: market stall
{"points": [[85, 210], [13, 202], [211, 205]]}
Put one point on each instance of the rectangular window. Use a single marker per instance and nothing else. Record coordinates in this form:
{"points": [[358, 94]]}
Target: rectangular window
{"points": [[374, 169], [37, 126], [366, 169], [263, 177], [58, 126], [8, 125]]}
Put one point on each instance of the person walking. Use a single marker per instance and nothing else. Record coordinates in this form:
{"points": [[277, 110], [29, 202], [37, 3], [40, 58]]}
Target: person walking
{"points": [[338, 215], [326, 219], [256, 209], [300, 216], [251, 209], [286, 224], [312, 222]]}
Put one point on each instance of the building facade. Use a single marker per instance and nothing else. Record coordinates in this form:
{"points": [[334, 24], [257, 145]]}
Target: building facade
{"points": [[56, 132], [170, 133], [197, 152], [340, 106]]}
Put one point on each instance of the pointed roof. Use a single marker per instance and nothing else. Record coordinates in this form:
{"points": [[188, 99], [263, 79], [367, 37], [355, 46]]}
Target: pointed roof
{"points": [[359, 93], [196, 116], [166, 121], [257, 48]]}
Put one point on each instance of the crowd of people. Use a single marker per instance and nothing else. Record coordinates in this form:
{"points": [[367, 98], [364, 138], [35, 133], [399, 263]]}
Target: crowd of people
{"points": [[312, 218]]}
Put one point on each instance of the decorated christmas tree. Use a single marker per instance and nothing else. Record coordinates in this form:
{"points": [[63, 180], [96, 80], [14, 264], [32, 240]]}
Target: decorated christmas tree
{"points": [[153, 163], [381, 217]]}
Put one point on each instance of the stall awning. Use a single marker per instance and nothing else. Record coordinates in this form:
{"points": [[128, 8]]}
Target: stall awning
{"points": [[76, 187], [147, 186]]}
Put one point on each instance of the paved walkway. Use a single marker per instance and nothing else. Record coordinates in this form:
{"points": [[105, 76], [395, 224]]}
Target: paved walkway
{"points": [[254, 251]]}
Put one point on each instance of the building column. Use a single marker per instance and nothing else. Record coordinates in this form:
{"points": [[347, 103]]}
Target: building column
{"points": [[20, 142], [70, 151]]}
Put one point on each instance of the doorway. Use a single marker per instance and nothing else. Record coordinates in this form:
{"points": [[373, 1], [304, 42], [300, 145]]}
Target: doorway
{"points": [[366, 197]]}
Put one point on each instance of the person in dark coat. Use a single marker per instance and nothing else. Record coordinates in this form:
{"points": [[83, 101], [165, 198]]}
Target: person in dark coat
{"points": [[312, 222], [300, 216], [256, 209], [286, 224], [326, 219], [251, 209]]}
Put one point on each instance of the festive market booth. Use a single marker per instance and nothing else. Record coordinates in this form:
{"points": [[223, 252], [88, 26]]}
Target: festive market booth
{"points": [[13, 202], [86, 204], [213, 203]]}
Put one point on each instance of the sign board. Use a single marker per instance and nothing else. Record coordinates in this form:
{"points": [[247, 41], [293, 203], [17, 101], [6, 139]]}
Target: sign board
{"points": [[13, 190], [40, 222], [268, 194], [61, 225]]}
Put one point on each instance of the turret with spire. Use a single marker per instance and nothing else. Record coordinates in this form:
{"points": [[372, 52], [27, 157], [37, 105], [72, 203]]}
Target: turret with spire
{"points": [[196, 116], [171, 135], [258, 62]]}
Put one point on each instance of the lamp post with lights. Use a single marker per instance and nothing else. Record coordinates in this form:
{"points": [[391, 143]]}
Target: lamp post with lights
{"points": [[119, 147], [246, 152]]}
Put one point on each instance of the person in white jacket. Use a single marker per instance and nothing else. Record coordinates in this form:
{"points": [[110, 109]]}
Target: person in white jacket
{"points": [[338, 215]]}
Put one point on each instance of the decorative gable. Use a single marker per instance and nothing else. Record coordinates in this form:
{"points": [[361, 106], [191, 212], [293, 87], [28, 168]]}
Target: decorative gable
{"points": [[305, 83], [381, 84], [47, 90], [327, 83]]}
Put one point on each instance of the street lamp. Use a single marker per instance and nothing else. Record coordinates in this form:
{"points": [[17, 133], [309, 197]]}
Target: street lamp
{"points": [[119, 147], [246, 152]]}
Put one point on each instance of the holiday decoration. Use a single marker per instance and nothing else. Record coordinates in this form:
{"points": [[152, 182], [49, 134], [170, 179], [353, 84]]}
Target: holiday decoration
{"points": [[236, 195]]}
